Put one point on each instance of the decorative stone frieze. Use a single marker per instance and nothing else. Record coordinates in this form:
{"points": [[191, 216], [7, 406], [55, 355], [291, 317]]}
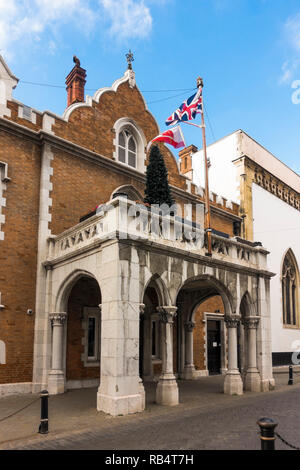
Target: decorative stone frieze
{"points": [[272, 184]]}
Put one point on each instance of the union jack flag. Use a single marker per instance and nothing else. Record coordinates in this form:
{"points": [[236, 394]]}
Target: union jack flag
{"points": [[187, 110]]}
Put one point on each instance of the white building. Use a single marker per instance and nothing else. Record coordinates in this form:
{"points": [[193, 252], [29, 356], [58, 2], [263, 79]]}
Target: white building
{"points": [[267, 190]]}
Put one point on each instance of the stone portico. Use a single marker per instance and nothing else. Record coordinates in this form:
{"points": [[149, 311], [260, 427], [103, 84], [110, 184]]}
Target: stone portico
{"points": [[126, 259]]}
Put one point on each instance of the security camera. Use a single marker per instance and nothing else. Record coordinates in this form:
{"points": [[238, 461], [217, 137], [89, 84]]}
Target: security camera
{"points": [[29, 312]]}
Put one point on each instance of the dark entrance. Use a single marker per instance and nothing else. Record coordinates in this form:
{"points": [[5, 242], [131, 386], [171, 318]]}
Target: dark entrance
{"points": [[214, 346], [141, 346]]}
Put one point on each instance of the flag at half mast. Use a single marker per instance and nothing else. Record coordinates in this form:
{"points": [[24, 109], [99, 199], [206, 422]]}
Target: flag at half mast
{"points": [[172, 136], [187, 110]]}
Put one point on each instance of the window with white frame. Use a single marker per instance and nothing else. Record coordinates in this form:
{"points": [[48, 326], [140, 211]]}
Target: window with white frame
{"points": [[127, 148], [129, 144], [92, 327]]}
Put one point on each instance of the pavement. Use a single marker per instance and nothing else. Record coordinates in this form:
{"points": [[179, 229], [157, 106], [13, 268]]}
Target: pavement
{"points": [[204, 419]]}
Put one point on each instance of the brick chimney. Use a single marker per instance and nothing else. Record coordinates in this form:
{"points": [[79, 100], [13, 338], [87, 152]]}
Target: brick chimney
{"points": [[75, 82], [185, 157]]}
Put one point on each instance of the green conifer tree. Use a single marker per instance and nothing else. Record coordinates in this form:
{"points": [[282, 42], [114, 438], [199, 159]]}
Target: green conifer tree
{"points": [[157, 186]]}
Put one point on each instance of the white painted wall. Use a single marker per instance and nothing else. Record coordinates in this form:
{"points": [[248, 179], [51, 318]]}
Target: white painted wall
{"points": [[277, 226], [276, 223], [222, 173]]}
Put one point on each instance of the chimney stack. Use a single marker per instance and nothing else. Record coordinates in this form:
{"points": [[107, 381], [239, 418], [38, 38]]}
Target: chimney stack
{"points": [[75, 82], [185, 158]]}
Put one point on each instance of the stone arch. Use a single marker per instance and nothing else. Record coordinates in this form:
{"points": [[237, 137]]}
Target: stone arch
{"points": [[66, 287], [247, 306], [161, 288], [132, 193], [215, 287]]}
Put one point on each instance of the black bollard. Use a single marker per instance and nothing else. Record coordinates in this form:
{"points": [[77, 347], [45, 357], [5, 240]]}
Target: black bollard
{"points": [[291, 379], [267, 433], [43, 428]]}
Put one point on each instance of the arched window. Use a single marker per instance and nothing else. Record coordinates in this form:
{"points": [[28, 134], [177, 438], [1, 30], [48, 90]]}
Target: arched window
{"points": [[127, 148], [290, 286]]}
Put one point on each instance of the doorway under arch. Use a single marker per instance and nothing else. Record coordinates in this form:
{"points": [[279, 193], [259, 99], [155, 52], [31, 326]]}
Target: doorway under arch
{"points": [[83, 334]]}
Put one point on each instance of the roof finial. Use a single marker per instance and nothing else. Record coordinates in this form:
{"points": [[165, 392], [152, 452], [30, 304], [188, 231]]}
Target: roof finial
{"points": [[130, 59], [200, 82]]}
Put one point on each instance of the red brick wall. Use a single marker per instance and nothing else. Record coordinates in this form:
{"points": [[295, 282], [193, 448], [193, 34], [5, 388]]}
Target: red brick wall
{"points": [[210, 305], [18, 256]]}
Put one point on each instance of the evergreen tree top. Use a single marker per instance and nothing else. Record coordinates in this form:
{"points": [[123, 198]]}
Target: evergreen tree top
{"points": [[157, 189]]}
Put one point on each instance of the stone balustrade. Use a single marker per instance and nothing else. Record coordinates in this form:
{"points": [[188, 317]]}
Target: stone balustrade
{"points": [[126, 219]]}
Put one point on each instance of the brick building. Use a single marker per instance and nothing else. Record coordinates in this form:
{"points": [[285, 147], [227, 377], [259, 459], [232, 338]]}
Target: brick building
{"points": [[79, 303]]}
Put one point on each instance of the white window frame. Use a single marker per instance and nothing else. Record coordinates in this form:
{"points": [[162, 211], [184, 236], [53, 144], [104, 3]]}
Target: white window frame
{"points": [[92, 312], [130, 135], [129, 125]]}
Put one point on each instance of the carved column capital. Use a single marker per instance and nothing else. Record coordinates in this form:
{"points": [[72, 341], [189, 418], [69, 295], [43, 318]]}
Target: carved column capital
{"points": [[142, 309], [57, 319], [232, 321], [167, 314], [189, 326], [251, 322]]}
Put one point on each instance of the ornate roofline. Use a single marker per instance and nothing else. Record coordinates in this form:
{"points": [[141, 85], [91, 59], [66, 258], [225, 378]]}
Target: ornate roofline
{"points": [[273, 184]]}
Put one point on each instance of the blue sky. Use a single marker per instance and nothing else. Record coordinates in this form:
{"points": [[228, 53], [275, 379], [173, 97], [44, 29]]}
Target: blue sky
{"points": [[248, 52]]}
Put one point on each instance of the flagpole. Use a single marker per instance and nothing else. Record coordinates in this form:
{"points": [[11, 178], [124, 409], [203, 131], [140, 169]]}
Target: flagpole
{"points": [[207, 221]]}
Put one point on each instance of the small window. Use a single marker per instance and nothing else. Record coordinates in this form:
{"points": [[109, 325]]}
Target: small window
{"points": [[156, 338], [127, 149], [92, 327]]}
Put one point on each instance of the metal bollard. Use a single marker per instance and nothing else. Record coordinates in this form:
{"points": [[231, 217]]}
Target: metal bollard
{"points": [[291, 379], [43, 427], [267, 433]]}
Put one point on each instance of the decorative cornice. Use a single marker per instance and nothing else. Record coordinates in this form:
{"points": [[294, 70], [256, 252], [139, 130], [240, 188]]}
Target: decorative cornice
{"points": [[273, 185]]}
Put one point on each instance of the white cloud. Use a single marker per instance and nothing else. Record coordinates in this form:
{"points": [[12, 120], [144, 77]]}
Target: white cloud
{"points": [[28, 21], [292, 28], [128, 18], [292, 37], [288, 71]]}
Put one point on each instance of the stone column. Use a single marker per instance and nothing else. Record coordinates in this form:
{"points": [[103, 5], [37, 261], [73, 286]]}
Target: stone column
{"points": [[264, 341], [233, 384], [119, 392], [167, 388], [252, 380], [56, 378], [189, 368]]}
